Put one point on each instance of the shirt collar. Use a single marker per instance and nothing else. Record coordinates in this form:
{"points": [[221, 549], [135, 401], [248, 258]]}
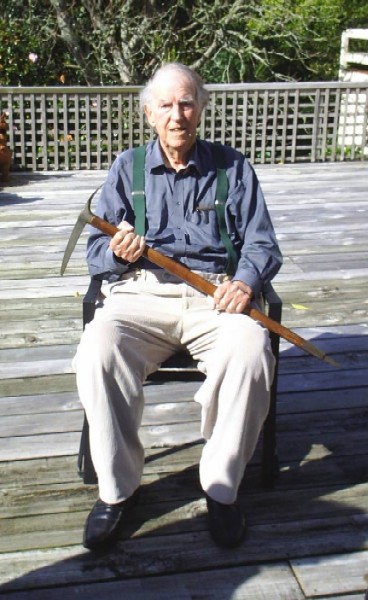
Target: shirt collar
{"points": [[155, 161]]}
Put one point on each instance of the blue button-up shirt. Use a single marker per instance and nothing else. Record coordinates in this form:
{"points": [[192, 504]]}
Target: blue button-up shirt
{"points": [[181, 219]]}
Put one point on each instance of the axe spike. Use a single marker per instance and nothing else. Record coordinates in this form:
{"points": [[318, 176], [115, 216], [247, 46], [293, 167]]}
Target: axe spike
{"points": [[84, 217]]}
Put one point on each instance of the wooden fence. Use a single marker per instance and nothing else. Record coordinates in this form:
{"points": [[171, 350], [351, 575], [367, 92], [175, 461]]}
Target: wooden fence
{"points": [[84, 128]]}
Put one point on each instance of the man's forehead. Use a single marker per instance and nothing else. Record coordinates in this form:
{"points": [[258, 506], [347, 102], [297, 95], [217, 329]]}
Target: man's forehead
{"points": [[174, 84]]}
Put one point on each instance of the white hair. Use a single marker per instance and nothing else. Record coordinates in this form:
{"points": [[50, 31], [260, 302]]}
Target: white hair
{"points": [[201, 94]]}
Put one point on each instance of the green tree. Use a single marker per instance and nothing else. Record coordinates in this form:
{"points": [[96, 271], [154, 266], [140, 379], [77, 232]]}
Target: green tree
{"points": [[105, 42]]}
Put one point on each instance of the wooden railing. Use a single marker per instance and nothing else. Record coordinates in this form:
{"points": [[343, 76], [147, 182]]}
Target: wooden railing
{"points": [[84, 128]]}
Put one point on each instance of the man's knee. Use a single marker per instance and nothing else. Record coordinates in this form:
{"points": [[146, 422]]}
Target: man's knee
{"points": [[244, 336], [97, 343]]}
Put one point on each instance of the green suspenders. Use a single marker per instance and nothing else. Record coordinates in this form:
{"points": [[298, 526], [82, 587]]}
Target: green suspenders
{"points": [[220, 202], [139, 200]]}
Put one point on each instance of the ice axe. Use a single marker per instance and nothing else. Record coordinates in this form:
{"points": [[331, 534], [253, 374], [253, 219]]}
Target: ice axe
{"points": [[182, 272]]}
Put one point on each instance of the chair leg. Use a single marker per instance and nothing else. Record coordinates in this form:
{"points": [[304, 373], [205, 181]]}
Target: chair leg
{"points": [[85, 465], [270, 461]]}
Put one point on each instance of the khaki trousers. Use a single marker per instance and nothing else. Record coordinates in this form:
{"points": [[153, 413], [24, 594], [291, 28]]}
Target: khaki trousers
{"points": [[146, 318]]}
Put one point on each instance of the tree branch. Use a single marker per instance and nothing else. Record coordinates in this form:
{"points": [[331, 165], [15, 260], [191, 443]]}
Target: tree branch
{"points": [[71, 39]]}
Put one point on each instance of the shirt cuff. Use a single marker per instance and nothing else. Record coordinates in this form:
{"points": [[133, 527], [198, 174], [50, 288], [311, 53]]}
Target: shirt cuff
{"points": [[250, 278], [115, 264]]}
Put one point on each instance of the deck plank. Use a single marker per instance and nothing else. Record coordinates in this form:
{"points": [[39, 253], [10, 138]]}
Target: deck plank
{"points": [[336, 574], [267, 581]]}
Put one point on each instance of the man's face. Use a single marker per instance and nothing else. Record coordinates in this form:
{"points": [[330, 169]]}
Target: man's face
{"points": [[174, 113]]}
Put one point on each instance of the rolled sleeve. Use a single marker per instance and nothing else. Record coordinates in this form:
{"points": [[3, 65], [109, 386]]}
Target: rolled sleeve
{"points": [[113, 206], [251, 229]]}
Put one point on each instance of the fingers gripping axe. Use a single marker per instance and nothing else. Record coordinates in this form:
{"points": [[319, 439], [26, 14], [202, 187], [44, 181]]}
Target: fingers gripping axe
{"points": [[182, 272]]}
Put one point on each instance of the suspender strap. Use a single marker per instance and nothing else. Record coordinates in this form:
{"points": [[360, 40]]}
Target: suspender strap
{"points": [[220, 202], [139, 199]]}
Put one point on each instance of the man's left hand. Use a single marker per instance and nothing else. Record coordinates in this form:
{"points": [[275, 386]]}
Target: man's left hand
{"points": [[232, 296]]}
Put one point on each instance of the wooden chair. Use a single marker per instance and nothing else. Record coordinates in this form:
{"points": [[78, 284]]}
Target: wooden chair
{"points": [[270, 464]]}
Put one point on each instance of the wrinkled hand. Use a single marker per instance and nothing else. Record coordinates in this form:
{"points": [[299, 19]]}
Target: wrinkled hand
{"points": [[232, 296], [126, 244]]}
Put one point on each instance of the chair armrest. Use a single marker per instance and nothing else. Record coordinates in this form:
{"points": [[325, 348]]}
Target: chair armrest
{"points": [[273, 306], [274, 302], [90, 299]]}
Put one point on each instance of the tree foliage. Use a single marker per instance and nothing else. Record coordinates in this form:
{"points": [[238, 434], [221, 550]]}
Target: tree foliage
{"points": [[31, 50], [93, 42]]}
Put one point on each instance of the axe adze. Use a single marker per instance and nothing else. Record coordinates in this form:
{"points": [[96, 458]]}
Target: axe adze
{"points": [[182, 272]]}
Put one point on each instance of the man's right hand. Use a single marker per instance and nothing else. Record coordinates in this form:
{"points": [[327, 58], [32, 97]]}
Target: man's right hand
{"points": [[126, 244]]}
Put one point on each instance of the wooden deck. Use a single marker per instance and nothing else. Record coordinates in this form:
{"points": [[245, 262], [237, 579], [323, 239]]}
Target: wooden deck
{"points": [[308, 537]]}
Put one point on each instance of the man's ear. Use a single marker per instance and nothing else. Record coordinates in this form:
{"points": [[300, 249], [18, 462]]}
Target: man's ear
{"points": [[199, 118], [149, 116]]}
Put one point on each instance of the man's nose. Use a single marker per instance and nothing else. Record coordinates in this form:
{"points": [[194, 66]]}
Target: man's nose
{"points": [[176, 112]]}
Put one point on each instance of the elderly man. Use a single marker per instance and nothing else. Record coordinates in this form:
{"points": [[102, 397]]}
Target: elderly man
{"points": [[148, 315]]}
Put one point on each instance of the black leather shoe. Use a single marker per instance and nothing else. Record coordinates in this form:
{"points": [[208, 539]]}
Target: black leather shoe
{"points": [[104, 523], [226, 522]]}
